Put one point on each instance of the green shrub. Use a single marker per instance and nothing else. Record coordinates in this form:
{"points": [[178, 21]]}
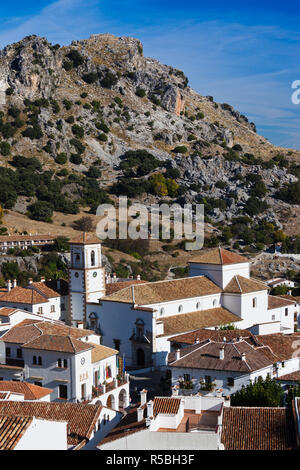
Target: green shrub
{"points": [[34, 132], [90, 77], [9, 91], [61, 158], [75, 57], [78, 131], [4, 148], [180, 149], [102, 127], [76, 159], [102, 137], [109, 80], [78, 145], [140, 92]]}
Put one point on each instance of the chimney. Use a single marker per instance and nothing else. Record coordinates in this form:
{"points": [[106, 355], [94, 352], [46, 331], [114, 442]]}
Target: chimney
{"points": [[140, 414], [177, 354], [221, 351], [43, 279], [143, 395], [197, 341], [138, 277], [150, 409], [15, 283], [243, 357], [80, 325], [9, 285], [30, 280]]}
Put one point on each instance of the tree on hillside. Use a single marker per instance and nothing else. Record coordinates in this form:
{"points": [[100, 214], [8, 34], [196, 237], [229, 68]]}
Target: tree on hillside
{"points": [[84, 224]]}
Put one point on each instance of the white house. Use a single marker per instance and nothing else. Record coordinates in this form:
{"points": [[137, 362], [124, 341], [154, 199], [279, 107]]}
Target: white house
{"points": [[45, 298], [214, 364], [70, 361], [16, 391]]}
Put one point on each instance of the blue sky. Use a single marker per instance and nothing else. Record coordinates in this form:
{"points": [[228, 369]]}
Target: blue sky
{"points": [[243, 53]]}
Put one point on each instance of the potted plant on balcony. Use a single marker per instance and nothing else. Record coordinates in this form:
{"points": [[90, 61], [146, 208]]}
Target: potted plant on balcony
{"points": [[207, 386]]}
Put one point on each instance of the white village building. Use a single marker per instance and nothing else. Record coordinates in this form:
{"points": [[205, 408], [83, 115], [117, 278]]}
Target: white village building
{"points": [[139, 319], [69, 361]]}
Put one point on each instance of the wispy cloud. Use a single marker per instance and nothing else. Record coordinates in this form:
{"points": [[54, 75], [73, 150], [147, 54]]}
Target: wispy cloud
{"points": [[61, 21]]}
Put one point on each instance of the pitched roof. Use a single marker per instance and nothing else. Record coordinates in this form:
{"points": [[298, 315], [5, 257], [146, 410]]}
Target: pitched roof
{"points": [[112, 287], [129, 424], [219, 256], [276, 301], [28, 330], [48, 336], [283, 346], [81, 418], [100, 352], [206, 355], [6, 311], [215, 335], [65, 344], [30, 391], [165, 291], [166, 405], [12, 429], [258, 429], [85, 239], [243, 285], [45, 289], [24, 296], [195, 320]]}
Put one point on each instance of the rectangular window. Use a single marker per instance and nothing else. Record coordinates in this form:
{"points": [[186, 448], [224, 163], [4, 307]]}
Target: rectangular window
{"points": [[208, 379], [230, 381], [63, 391], [186, 377], [117, 344], [38, 383], [7, 352], [273, 317], [40, 310], [52, 308], [286, 312], [19, 353]]}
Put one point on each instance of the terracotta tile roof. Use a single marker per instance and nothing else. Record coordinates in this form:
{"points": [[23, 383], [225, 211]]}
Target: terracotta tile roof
{"points": [[100, 352], [17, 238], [12, 429], [292, 377], [112, 287], [243, 285], [276, 301], [44, 288], [30, 391], [126, 426], [166, 405], [81, 418], [203, 334], [22, 295], [283, 346], [28, 330], [65, 344], [195, 320], [258, 429], [6, 311], [206, 355], [85, 239], [294, 298], [164, 291], [219, 256]]}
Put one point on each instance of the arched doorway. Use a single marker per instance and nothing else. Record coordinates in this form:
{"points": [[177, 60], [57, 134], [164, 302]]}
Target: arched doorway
{"points": [[122, 399], [140, 357], [111, 402]]}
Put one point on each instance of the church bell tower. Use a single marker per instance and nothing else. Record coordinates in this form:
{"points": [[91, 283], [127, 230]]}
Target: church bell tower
{"points": [[86, 276]]}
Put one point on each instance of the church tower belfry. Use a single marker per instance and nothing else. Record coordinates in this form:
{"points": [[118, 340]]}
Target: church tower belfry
{"points": [[86, 276]]}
